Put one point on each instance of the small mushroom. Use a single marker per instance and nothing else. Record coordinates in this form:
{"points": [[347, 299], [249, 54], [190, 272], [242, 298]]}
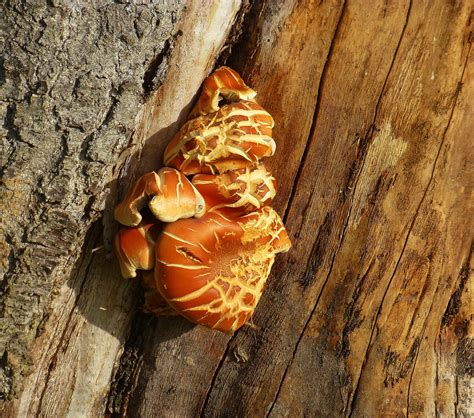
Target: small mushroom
{"points": [[169, 194], [223, 82]]}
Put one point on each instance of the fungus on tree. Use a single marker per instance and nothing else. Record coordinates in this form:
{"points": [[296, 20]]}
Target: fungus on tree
{"points": [[213, 255]]}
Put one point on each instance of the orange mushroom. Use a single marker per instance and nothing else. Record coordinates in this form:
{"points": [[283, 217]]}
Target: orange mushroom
{"points": [[135, 248], [243, 190], [168, 193], [212, 270], [214, 253], [223, 82]]}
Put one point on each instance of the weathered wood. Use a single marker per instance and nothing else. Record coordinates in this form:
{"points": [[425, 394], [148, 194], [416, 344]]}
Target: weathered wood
{"points": [[367, 125], [397, 264]]}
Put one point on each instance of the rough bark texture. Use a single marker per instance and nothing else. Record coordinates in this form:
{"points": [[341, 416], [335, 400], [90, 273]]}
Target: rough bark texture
{"points": [[73, 77], [368, 315], [89, 317]]}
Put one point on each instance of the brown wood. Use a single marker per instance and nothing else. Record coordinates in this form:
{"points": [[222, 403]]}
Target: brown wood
{"points": [[369, 314], [362, 107]]}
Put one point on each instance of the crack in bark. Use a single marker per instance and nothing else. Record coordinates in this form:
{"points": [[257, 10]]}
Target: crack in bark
{"points": [[454, 302], [12, 135], [214, 377], [158, 67], [238, 28], [292, 195], [315, 117], [128, 370]]}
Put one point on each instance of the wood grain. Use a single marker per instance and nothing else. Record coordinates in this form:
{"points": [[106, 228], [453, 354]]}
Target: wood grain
{"points": [[388, 280], [368, 99]]}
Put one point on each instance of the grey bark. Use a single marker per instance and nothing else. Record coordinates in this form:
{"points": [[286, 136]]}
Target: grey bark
{"points": [[73, 75]]}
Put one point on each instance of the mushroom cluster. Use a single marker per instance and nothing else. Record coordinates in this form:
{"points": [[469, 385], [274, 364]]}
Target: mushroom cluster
{"points": [[203, 223]]}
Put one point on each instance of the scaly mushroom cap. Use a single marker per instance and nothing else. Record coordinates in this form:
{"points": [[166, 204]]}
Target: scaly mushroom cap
{"points": [[135, 249], [243, 190], [222, 82], [236, 136], [169, 194], [212, 270]]}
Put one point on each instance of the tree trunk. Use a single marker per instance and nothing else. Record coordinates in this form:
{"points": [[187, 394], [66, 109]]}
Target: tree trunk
{"points": [[367, 315]]}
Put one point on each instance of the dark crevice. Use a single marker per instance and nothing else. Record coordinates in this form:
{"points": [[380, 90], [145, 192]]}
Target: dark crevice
{"points": [[454, 303], [352, 315], [318, 252], [13, 136], [7, 273], [214, 377], [126, 377], [110, 112], [244, 41], [292, 196], [6, 378], [311, 136], [238, 29], [158, 67]]}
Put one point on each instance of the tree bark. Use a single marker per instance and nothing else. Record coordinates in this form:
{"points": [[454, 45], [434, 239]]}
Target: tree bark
{"points": [[368, 314], [75, 77]]}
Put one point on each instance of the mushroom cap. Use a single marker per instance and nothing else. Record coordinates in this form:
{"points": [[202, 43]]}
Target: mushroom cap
{"points": [[223, 82], [243, 190], [212, 270], [178, 198], [236, 136], [168, 193]]}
